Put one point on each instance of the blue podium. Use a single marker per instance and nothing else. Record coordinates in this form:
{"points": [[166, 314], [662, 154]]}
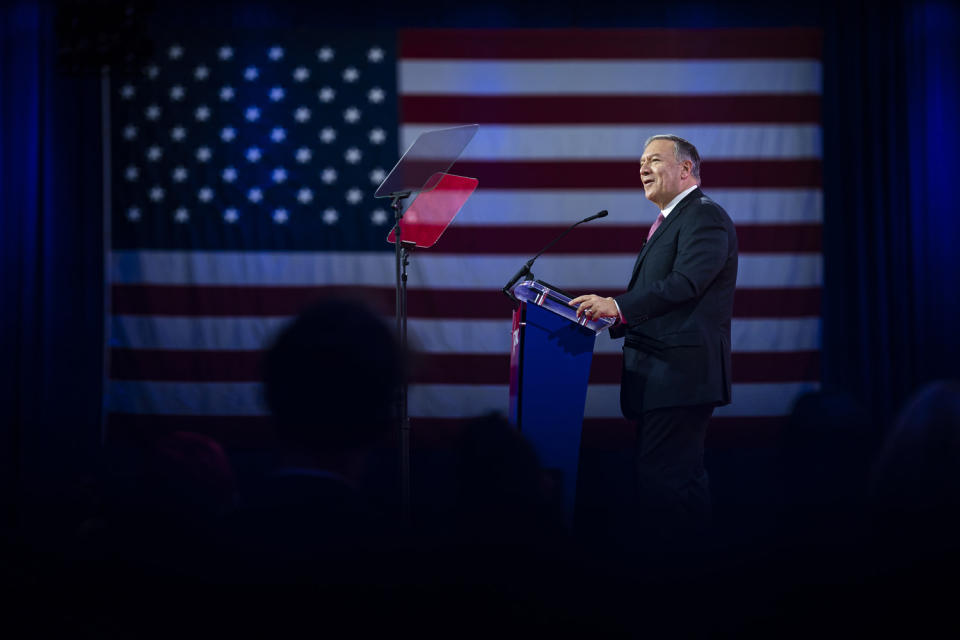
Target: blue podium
{"points": [[550, 356]]}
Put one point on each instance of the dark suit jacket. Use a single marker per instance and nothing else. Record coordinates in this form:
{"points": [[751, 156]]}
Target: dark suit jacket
{"points": [[678, 307]]}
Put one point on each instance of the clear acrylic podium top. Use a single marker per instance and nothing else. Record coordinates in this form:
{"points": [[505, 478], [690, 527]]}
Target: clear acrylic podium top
{"points": [[534, 292]]}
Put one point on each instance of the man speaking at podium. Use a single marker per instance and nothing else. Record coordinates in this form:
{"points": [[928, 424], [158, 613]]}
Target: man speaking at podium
{"points": [[675, 318]]}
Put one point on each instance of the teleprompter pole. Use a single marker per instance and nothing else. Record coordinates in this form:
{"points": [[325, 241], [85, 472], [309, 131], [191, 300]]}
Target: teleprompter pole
{"points": [[403, 416]]}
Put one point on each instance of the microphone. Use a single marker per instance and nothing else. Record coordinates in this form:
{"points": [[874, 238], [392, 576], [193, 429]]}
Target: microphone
{"points": [[525, 269]]}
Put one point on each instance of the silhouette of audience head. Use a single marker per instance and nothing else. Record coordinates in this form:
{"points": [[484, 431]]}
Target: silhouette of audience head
{"points": [[825, 452], [504, 494], [916, 480], [189, 474], [331, 377]]}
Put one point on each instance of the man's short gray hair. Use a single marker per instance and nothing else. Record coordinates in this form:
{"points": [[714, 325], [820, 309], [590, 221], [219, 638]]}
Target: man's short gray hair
{"points": [[682, 149]]}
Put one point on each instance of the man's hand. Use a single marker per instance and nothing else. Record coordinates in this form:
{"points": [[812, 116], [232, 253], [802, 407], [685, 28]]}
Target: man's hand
{"points": [[593, 307]]}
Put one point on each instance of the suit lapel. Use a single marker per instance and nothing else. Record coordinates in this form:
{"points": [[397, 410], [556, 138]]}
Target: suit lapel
{"points": [[669, 220]]}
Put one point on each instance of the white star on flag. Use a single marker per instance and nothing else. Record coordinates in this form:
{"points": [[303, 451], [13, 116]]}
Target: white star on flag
{"points": [[326, 94], [230, 215], [280, 216], [227, 134], [178, 133], [203, 154], [354, 196], [253, 154], [351, 114], [154, 153], [350, 74], [157, 193], [152, 71], [328, 175], [225, 52], [250, 73], [152, 112], [300, 74], [252, 114], [378, 217], [376, 95], [277, 134], [325, 54], [279, 175], [305, 196], [352, 155], [277, 94], [377, 175], [177, 92], [330, 215], [375, 54], [133, 214], [302, 114], [377, 136], [255, 195], [202, 113], [275, 53], [129, 132], [227, 93], [179, 174], [229, 174], [181, 215], [127, 91], [132, 173], [201, 73], [205, 194], [175, 52], [328, 135], [304, 155]]}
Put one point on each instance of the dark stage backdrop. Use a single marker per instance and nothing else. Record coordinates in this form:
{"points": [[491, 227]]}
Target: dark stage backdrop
{"points": [[889, 94]]}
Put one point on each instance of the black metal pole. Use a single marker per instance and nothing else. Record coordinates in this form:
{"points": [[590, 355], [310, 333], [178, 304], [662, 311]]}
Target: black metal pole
{"points": [[401, 312]]}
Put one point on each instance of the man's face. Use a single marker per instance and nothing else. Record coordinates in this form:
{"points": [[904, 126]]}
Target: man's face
{"points": [[661, 174]]}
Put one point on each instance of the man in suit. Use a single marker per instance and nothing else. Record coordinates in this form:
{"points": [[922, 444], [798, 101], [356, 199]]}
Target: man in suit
{"points": [[675, 318]]}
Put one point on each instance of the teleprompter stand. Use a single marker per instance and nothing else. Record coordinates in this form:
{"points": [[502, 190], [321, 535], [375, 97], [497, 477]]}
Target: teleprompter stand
{"points": [[439, 196]]}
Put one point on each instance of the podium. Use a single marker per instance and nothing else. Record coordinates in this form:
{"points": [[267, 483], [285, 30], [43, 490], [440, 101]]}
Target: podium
{"points": [[550, 356]]}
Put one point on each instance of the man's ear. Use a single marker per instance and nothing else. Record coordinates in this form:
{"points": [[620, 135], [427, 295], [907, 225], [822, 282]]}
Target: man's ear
{"points": [[688, 165]]}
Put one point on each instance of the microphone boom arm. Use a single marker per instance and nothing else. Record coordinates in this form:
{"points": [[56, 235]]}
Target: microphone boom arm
{"points": [[525, 269]]}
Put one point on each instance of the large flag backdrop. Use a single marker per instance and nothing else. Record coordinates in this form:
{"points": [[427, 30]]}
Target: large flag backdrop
{"points": [[243, 174]]}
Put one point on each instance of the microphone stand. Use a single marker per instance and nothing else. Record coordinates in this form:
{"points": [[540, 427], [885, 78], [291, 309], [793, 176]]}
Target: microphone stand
{"points": [[525, 269]]}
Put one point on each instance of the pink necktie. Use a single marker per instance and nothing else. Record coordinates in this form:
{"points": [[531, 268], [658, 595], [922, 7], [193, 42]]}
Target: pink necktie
{"points": [[655, 225]]}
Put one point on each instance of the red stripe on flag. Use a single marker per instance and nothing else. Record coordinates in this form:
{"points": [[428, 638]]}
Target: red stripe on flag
{"points": [[163, 365], [559, 44], [609, 174], [264, 301], [609, 238], [615, 434], [256, 432], [237, 432], [779, 109]]}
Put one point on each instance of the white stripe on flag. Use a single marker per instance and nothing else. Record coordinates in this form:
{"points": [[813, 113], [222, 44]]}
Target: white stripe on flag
{"points": [[426, 334], [186, 398], [493, 207], [430, 271], [619, 142], [426, 400], [613, 77]]}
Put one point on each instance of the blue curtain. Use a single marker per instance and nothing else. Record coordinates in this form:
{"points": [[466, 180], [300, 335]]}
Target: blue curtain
{"points": [[51, 274], [891, 229]]}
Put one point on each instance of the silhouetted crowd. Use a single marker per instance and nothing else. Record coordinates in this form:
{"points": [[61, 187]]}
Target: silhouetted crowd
{"points": [[174, 539]]}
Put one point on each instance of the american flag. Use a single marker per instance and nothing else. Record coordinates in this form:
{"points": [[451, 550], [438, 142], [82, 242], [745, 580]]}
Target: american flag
{"points": [[243, 179]]}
